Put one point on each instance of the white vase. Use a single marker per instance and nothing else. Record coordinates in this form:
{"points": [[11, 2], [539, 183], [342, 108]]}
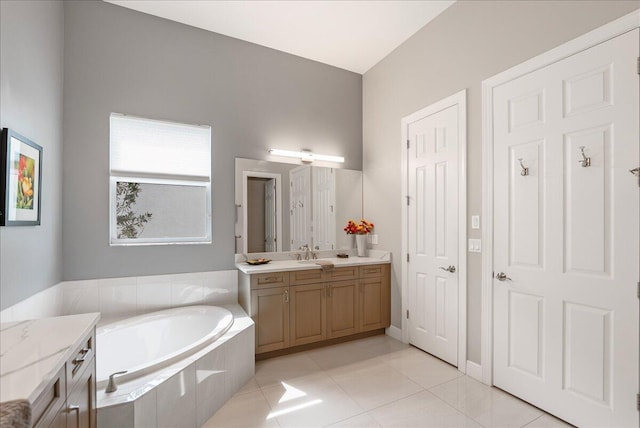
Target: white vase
{"points": [[361, 244]]}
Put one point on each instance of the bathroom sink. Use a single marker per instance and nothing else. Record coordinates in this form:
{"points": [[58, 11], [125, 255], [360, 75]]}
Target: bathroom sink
{"points": [[333, 260]]}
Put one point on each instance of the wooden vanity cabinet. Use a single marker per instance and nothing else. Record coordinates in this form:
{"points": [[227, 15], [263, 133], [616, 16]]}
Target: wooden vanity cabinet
{"points": [[270, 312], [69, 401], [308, 314], [343, 308], [309, 306]]}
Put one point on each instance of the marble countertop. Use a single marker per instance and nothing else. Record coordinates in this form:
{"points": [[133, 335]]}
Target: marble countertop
{"points": [[290, 265], [32, 352]]}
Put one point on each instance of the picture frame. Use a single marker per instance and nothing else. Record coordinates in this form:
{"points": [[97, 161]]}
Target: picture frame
{"points": [[20, 180]]}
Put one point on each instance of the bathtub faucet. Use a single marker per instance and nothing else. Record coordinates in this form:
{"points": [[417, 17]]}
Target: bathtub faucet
{"points": [[111, 386]]}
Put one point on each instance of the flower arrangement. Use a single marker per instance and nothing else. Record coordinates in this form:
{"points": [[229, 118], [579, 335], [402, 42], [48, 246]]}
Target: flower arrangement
{"points": [[363, 228]]}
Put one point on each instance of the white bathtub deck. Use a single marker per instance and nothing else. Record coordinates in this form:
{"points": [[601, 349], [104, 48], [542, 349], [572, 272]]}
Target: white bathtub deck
{"points": [[186, 393]]}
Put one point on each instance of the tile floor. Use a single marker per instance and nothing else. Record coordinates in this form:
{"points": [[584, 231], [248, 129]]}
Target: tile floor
{"points": [[373, 382]]}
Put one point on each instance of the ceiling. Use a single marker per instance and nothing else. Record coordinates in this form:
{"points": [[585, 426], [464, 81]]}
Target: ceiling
{"points": [[353, 35]]}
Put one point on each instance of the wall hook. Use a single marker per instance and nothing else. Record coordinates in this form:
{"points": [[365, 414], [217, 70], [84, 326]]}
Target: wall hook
{"points": [[585, 161], [525, 170]]}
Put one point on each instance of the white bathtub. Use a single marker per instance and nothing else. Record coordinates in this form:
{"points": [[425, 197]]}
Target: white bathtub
{"points": [[149, 342]]}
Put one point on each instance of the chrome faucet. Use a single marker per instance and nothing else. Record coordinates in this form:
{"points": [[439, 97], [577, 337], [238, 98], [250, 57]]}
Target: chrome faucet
{"points": [[307, 251], [111, 386]]}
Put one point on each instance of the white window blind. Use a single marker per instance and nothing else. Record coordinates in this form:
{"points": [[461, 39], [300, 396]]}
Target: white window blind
{"points": [[152, 147], [160, 182]]}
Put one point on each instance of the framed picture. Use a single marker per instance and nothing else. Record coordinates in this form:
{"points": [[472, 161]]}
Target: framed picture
{"points": [[20, 180]]}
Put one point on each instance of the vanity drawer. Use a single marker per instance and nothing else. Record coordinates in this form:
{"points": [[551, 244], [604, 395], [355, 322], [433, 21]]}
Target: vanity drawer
{"points": [[312, 276], [269, 280], [344, 273], [373, 271], [80, 359], [46, 406]]}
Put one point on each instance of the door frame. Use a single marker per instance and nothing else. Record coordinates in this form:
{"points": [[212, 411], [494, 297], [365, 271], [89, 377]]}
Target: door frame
{"points": [[260, 174], [606, 32], [459, 99]]}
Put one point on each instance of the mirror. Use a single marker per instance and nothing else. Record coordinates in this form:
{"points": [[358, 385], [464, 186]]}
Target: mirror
{"points": [[282, 206]]}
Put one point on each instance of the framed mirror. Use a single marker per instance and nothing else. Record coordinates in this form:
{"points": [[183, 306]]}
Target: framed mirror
{"points": [[282, 206]]}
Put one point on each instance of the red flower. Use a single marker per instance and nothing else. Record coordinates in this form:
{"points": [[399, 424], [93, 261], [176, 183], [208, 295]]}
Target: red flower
{"points": [[22, 164], [363, 228]]}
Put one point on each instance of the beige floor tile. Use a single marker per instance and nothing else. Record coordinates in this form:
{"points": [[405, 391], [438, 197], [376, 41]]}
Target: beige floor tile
{"points": [[243, 411], [421, 410], [422, 368], [361, 421], [275, 370], [341, 355], [357, 351], [488, 406], [250, 386], [548, 421], [375, 384], [313, 401]]}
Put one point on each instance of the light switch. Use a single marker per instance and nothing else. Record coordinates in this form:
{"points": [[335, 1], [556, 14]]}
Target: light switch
{"points": [[475, 246], [374, 239], [475, 222]]}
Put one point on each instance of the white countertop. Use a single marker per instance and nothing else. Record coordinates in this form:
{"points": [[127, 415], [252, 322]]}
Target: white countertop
{"points": [[290, 265], [32, 352]]}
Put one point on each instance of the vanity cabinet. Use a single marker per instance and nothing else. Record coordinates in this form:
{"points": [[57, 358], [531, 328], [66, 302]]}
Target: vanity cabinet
{"points": [[343, 308], [308, 314], [270, 312], [303, 307], [69, 400]]}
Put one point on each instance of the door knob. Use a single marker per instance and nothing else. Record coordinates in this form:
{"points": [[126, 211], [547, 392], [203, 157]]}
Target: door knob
{"points": [[451, 269], [501, 276]]}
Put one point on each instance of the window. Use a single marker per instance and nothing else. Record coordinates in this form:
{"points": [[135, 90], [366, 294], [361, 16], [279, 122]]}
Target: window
{"points": [[160, 182]]}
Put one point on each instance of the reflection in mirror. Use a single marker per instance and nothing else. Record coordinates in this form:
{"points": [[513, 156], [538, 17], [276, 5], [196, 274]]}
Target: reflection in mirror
{"points": [[282, 207]]}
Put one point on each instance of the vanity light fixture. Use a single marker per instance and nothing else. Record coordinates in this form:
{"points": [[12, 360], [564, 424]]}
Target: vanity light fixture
{"points": [[306, 156]]}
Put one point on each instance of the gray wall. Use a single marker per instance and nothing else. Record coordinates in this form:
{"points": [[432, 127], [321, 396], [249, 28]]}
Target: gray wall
{"points": [[31, 69], [468, 42], [119, 60]]}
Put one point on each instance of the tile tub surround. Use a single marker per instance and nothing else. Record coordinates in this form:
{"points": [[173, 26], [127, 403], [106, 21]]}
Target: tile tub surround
{"points": [[119, 298], [187, 393], [32, 352]]}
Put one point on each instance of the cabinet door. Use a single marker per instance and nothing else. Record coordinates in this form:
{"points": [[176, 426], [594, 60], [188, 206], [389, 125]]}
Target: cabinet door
{"points": [[343, 317], [308, 314], [374, 303], [270, 312], [81, 403], [60, 421]]}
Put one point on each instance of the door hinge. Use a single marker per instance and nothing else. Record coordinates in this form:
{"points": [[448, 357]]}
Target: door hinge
{"points": [[638, 67], [407, 313], [408, 199], [638, 402], [408, 144], [407, 257], [638, 289]]}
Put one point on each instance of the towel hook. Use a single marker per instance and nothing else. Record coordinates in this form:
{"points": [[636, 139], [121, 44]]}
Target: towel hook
{"points": [[525, 170], [585, 161]]}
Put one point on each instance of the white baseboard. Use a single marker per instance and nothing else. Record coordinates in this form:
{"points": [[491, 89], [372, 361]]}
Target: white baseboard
{"points": [[394, 332], [474, 370]]}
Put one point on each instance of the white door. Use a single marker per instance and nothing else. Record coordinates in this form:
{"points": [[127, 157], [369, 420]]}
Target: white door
{"points": [[270, 215], [300, 211], [566, 236], [433, 158], [324, 201]]}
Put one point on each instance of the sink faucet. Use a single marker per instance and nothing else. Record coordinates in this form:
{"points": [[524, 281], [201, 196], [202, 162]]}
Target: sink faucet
{"points": [[307, 251]]}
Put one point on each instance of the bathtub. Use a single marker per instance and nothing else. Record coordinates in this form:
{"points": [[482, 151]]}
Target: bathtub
{"points": [[147, 343]]}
